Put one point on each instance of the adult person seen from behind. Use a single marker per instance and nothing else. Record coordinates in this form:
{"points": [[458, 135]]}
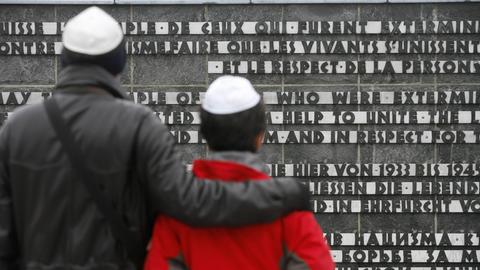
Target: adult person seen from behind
{"points": [[233, 124], [49, 220]]}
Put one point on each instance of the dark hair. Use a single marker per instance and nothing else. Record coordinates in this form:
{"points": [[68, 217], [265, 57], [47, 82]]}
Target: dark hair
{"points": [[233, 132], [113, 61]]}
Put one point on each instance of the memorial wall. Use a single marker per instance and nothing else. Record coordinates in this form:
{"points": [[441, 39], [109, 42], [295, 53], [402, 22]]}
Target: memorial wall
{"points": [[376, 105]]}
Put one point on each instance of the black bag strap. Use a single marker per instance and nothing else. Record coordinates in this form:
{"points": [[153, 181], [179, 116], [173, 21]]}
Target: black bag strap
{"points": [[134, 247]]}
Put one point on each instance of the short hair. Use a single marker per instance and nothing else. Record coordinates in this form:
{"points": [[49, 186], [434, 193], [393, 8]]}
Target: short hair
{"points": [[233, 132]]}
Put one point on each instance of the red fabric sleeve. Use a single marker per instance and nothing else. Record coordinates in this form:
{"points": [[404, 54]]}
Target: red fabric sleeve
{"points": [[164, 245], [305, 240]]}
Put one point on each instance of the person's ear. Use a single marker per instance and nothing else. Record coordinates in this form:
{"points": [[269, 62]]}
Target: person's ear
{"points": [[259, 140]]}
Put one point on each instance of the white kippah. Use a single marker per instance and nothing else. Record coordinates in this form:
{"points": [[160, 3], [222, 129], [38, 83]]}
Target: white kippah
{"points": [[230, 94], [92, 32]]}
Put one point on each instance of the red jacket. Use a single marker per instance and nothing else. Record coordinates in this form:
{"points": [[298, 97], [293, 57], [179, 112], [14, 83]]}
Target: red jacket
{"points": [[293, 242]]}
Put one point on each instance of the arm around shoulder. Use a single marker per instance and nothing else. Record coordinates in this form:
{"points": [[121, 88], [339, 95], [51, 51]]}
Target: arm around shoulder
{"points": [[175, 192], [8, 247]]}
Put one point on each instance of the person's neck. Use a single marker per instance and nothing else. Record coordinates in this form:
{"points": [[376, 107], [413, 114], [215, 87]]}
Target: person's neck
{"points": [[246, 158]]}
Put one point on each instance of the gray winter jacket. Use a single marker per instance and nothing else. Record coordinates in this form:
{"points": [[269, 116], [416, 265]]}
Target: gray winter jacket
{"points": [[47, 219]]}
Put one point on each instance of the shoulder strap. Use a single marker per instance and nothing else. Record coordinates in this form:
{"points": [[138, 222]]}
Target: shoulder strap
{"points": [[135, 249]]}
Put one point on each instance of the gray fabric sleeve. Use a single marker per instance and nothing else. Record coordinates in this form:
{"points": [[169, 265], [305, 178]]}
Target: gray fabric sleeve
{"points": [[176, 193], [8, 247]]}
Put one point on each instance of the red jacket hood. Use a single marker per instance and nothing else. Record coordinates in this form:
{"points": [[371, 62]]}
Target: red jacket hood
{"points": [[231, 166]]}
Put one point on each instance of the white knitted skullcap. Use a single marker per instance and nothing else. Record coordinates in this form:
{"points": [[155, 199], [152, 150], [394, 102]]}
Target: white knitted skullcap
{"points": [[230, 94], [92, 32]]}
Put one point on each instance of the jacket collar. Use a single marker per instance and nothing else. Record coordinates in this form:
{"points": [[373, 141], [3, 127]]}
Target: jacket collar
{"points": [[91, 75], [248, 159]]}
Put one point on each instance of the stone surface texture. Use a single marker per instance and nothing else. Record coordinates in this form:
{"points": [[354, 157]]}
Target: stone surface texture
{"points": [[189, 73]]}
